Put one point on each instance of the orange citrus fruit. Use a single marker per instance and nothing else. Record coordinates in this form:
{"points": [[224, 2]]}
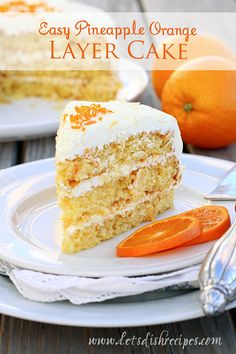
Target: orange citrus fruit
{"points": [[160, 236], [197, 46], [203, 101]]}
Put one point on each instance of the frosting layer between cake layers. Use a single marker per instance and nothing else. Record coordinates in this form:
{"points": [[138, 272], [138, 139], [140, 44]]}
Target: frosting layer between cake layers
{"points": [[93, 182]]}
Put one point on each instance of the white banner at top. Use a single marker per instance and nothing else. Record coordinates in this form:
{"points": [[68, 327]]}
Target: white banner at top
{"points": [[99, 40]]}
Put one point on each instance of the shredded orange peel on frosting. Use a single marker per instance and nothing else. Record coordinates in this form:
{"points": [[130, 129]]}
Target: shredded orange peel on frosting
{"points": [[22, 6], [86, 115]]}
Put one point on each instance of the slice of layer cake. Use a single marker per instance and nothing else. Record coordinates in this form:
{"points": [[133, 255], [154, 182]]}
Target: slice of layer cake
{"points": [[117, 166]]}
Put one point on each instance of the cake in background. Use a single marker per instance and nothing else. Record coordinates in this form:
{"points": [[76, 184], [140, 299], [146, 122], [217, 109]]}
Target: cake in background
{"points": [[117, 165], [72, 83]]}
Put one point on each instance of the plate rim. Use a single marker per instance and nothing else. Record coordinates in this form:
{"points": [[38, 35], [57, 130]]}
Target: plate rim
{"points": [[150, 269], [12, 303], [83, 315]]}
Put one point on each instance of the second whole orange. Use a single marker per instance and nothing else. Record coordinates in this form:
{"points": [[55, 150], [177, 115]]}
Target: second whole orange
{"points": [[203, 100]]}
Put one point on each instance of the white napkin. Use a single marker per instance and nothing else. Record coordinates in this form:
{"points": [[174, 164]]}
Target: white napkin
{"points": [[43, 287]]}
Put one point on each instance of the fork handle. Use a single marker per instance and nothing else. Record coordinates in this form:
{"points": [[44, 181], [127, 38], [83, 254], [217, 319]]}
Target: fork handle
{"points": [[217, 276]]}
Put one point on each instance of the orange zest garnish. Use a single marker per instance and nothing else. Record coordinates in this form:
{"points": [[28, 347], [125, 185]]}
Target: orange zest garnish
{"points": [[215, 222], [22, 6], [160, 236], [86, 115]]}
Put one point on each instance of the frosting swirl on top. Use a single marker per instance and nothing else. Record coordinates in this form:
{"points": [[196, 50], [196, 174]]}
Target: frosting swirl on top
{"points": [[100, 123]]}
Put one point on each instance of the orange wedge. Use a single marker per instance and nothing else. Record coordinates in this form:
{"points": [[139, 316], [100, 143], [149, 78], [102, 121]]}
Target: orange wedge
{"points": [[215, 222], [160, 236]]}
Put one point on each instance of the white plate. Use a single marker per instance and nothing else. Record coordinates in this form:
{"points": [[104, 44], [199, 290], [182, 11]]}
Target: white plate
{"points": [[35, 117], [130, 314], [29, 225], [117, 314]]}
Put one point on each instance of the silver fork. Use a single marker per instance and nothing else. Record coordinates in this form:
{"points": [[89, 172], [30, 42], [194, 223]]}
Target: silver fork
{"points": [[217, 276]]}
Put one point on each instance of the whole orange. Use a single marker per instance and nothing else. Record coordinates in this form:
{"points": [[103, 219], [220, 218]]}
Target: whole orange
{"points": [[203, 101], [197, 46]]}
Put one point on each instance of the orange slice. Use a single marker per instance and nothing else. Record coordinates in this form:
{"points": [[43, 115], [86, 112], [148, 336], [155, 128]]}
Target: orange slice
{"points": [[160, 236], [215, 222]]}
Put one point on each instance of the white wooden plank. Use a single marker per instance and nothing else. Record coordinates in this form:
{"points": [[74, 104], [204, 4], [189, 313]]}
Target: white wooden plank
{"points": [[7, 154], [38, 149]]}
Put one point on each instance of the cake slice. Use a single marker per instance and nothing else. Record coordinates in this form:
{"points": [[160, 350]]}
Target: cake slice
{"points": [[117, 165]]}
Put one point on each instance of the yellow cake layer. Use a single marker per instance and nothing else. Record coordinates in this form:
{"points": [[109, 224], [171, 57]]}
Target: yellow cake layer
{"points": [[112, 157], [93, 234], [79, 85], [116, 194]]}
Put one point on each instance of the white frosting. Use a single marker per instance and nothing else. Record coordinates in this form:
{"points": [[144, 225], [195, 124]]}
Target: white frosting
{"points": [[96, 181], [126, 119]]}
